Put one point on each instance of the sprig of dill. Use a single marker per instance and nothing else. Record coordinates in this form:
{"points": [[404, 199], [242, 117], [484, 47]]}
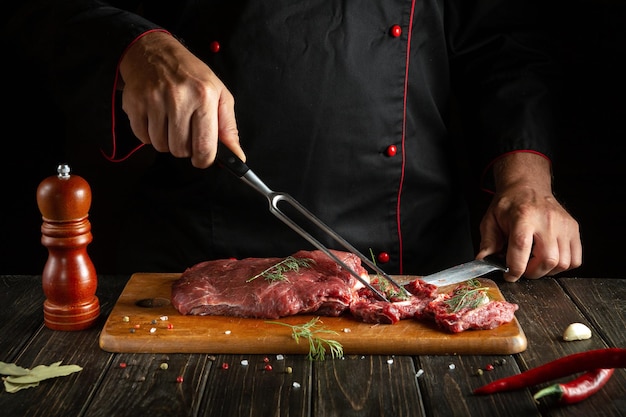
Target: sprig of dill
{"points": [[470, 295], [277, 271], [317, 345]]}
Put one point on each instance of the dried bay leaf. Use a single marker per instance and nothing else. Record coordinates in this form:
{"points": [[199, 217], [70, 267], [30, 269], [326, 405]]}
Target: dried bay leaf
{"points": [[18, 379], [12, 369]]}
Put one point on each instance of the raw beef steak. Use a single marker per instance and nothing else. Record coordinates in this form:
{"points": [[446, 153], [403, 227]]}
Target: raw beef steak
{"points": [[247, 288], [228, 287], [426, 304]]}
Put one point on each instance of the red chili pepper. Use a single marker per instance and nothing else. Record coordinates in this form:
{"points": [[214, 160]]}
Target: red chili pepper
{"points": [[559, 368], [578, 389]]}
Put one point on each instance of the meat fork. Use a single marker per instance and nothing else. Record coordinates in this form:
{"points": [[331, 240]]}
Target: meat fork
{"points": [[236, 166]]}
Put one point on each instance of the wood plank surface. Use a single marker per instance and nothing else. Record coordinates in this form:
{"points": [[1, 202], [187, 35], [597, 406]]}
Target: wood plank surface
{"points": [[154, 326], [546, 310]]}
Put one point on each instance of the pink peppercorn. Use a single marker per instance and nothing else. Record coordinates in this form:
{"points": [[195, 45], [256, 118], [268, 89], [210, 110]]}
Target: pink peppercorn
{"points": [[268, 367], [170, 326], [224, 365], [179, 379], [266, 359], [489, 367]]}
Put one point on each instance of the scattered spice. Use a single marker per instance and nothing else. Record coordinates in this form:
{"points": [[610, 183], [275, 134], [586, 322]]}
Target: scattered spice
{"points": [[268, 367], [244, 362], [288, 370], [489, 367], [179, 379], [277, 271], [125, 319], [170, 326], [164, 366], [122, 365], [419, 373], [225, 365]]}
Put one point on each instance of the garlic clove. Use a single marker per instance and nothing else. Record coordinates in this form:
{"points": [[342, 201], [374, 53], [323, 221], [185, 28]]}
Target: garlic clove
{"points": [[576, 331]]}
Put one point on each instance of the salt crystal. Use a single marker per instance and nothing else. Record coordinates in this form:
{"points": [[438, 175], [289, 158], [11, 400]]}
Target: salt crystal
{"points": [[389, 361], [152, 330], [346, 330], [279, 357], [227, 332], [244, 362], [295, 385], [451, 366], [419, 373], [164, 318]]}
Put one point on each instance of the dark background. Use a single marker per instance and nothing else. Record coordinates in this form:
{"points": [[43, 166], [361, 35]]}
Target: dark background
{"points": [[589, 173]]}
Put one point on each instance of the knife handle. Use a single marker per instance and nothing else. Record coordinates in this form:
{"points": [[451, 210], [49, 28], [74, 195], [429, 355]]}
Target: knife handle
{"points": [[227, 159]]}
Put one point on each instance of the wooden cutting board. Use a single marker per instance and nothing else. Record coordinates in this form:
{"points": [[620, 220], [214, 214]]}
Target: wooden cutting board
{"points": [[144, 321]]}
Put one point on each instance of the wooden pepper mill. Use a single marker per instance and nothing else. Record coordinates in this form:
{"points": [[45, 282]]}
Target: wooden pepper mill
{"points": [[69, 277]]}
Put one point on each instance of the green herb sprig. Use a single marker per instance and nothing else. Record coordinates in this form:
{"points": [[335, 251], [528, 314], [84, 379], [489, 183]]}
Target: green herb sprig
{"points": [[277, 271], [470, 295], [317, 345]]}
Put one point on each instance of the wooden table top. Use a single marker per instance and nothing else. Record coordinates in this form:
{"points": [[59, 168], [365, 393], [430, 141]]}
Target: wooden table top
{"points": [[355, 385]]}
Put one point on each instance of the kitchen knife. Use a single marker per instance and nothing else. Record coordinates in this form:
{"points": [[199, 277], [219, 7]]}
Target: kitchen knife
{"points": [[466, 271]]}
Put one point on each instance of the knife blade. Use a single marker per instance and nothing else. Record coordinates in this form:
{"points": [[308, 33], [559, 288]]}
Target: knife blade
{"points": [[465, 271]]}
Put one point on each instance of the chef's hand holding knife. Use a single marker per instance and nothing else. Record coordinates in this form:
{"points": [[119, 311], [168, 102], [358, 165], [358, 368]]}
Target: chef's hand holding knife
{"points": [[175, 102], [525, 220]]}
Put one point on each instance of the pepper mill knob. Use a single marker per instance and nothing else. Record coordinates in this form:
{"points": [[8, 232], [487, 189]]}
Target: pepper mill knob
{"points": [[69, 277]]}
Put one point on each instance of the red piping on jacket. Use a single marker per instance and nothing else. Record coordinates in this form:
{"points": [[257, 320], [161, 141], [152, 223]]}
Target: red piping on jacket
{"points": [[402, 146], [113, 157]]}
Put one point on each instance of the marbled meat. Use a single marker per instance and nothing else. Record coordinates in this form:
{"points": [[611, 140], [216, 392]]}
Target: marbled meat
{"points": [[228, 287]]}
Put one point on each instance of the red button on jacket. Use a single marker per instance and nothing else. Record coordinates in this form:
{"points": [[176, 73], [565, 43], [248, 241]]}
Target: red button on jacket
{"points": [[395, 31]]}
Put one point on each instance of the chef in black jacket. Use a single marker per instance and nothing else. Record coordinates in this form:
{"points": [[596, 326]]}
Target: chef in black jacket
{"points": [[345, 105]]}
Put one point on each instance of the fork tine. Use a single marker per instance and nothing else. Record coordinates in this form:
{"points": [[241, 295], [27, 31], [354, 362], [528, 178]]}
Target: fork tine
{"points": [[238, 168], [275, 197]]}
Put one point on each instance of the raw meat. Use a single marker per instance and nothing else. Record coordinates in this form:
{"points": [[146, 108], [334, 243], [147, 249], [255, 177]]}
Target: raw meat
{"points": [[485, 317], [228, 287], [224, 287], [371, 310]]}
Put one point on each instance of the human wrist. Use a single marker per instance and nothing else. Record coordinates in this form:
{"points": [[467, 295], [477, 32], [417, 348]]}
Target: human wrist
{"points": [[523, 168]]}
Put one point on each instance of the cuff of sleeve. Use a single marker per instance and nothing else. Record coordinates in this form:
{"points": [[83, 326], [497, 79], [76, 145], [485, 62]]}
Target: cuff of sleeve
{"points": [[113, 155]]}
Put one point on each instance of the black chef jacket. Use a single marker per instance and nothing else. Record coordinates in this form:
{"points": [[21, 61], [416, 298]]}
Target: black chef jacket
{"points": [[343, 104]]}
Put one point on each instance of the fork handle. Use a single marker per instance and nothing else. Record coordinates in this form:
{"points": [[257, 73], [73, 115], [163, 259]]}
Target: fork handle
{"points": [[227, 159]]}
